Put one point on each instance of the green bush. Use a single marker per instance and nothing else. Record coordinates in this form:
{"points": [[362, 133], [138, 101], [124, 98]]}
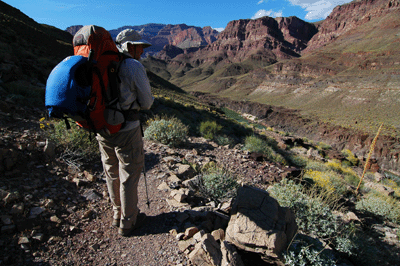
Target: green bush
{"points": [[75, 145], [314, 214], [308, 251], [255, 144], [217, 184], [168, 131], [265, 147], [209, 129], [316, 166], [224, 140], [350, 157], [381, 205]]}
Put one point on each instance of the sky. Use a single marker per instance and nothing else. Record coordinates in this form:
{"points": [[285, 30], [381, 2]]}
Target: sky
{"points": [[112, 14]]}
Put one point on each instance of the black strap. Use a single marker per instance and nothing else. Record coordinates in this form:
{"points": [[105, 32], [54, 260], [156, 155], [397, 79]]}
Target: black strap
{"points": [[132, 115]]}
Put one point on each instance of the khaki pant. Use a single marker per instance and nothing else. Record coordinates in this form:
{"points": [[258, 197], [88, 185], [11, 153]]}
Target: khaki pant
{"points": [[122, 156]]}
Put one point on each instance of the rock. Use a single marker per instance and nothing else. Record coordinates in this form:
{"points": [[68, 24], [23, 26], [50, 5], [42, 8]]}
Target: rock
{"points": [[35, 211], [230, 256], [173, 178], [189, 232], [6, 220], [12, 197], [89, 176], [80, 182], [191, 183], [380, 188], [50, 149], [218, 234], [92, 195], [163, 187], [206, 252], [175, 204], [170, 159], [18, 208], [55, 219], [174, 185], [185, 171], [54, 239], [258, 224], [198, 236], [179, 236], [186, 244], [23, 240], [226, 206], [351, 216], [180, 195], [3, 194], [314, 154], [38, 236], [87, 214], [378, 177]]}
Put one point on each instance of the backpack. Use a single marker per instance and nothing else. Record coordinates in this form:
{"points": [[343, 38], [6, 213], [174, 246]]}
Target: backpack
{"points": [[85, 86]]}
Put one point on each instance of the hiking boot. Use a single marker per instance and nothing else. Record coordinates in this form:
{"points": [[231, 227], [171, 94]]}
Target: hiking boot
{"points": [[139, 222], [115, 222]]}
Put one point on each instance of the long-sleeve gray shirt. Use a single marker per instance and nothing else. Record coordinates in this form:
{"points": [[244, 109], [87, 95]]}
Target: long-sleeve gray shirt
{"points": [[135, 89]]}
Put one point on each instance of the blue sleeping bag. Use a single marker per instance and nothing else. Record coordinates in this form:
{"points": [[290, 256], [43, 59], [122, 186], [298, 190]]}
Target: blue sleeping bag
{"points": [[64, 96]]}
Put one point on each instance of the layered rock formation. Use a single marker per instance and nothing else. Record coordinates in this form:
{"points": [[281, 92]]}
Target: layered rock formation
{"points": [[348, 17], [264, 40]]}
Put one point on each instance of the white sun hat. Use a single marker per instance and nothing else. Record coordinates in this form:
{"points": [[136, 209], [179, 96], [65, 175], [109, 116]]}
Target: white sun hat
{"points": [[131, 36]]}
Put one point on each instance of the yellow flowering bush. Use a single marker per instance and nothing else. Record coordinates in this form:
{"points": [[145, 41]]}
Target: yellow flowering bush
{"points": [[327, 180]]}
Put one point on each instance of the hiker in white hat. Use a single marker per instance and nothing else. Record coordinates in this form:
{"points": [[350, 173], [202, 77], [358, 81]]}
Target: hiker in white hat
{"points": [[122, 153], [131, 43]]}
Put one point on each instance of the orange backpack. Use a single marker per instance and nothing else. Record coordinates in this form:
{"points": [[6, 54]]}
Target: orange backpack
{"points": [[103, 113]]}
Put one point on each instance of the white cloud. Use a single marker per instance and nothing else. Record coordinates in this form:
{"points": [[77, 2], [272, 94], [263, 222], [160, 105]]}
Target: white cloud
{"points": [[219, 29], [261, 1], [318, 9], [262, 13]]}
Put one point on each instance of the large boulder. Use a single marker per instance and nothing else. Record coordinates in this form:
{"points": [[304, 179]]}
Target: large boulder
{"points": [[258, 224]]}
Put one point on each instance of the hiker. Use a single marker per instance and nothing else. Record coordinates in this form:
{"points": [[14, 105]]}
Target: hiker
{"points": [[122, 153]]}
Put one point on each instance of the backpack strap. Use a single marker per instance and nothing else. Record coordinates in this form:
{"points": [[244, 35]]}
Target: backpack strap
{"points": [[115, 80]]}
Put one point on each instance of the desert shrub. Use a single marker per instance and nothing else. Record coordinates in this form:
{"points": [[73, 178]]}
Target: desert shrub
{"points": [[75, 138], [263, 146], [381, 205], [392, 184], [308, 251], [327, 180], [255, 144], [314, 213], [348, 173], [316, 166], [168, 131], [297, 160], [323, 146], [350, 157], [209, 129], [217, 183], [75, 145], [224, 140]]}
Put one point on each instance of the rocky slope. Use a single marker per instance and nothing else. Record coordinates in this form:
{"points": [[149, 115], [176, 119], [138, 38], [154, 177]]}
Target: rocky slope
{"points": [[346, 17]]}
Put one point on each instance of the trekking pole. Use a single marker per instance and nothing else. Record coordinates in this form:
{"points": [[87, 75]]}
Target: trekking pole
{"points": [[145, 183]]}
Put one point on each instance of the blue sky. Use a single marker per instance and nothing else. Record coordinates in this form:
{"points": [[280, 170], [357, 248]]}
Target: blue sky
{"points": [[112, 14]]}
